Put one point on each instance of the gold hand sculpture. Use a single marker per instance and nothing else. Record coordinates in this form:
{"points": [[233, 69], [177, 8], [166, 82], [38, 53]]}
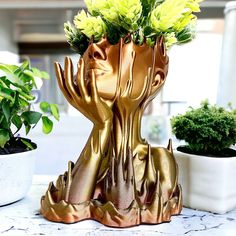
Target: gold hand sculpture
{"points": [[119, 179], [90, 104]]}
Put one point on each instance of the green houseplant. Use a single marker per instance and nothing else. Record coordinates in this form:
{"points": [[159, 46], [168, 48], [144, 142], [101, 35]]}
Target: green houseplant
{"points": [[208, 130], [16, 112], [207, 163]]}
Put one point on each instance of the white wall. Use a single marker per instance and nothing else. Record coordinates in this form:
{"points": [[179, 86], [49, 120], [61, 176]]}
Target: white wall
{"points": [[6, 32], [227, 84]]}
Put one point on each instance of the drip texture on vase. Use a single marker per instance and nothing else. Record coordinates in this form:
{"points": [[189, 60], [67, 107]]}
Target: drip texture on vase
{"points": [[119, 179]]}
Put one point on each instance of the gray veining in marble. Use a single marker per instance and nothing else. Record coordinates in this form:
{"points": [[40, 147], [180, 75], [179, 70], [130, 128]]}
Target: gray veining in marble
{"points": [[23, 218]]}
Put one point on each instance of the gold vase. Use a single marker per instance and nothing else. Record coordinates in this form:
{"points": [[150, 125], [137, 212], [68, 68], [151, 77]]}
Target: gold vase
{"points": [[119, 179]]}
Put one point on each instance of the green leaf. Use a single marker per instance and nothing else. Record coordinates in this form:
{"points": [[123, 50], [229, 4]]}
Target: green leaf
{"points": [[31, 117], [24, 65], [47, 125], [12, 72], [4, 82], [16, 120], [40, 74], [1, 118], [4, 137], [36, 72], [44, 75], [135, 26], [27, 127], [26, 96], [148, 31], [52, 108], [6, 68], [23, 102], [6, 109], [27, 144], [44, 106], [27, 76], [55, 111]]}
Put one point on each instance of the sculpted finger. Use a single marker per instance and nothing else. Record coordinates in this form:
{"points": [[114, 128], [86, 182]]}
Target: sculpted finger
{"points": [[59, 73], [61, 83], [81, 79], [70, 85], [61, 80], [68, 68], [68, 73]]}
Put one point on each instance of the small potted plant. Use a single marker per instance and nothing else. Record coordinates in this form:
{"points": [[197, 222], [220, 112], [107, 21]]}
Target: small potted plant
{"points": [[16, 112], [207, 164]]}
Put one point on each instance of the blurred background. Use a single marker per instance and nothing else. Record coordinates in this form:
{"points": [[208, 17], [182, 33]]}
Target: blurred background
{"points": [[202, 69]]}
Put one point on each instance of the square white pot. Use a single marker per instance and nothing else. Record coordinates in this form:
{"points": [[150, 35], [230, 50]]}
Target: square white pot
{"points": [[208, 183]]}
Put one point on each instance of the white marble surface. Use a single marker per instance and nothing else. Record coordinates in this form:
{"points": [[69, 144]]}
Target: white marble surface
{"points": [[23, 218]]}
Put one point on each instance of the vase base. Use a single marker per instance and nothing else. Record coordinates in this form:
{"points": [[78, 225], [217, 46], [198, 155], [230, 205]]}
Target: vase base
{"points": [[106, 213]]}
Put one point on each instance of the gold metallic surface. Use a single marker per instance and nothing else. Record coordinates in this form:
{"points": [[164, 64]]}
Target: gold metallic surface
{"points": [[119, 179]]}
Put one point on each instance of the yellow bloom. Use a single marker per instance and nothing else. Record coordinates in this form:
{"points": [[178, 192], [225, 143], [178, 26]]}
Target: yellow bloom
{"points": [[193, 5], [170, 39], [173, 13], [129, 10], [110, 14], [117, 12], [183, 22], [165, 15], [95, 6], [89, 25], [173, 19]]}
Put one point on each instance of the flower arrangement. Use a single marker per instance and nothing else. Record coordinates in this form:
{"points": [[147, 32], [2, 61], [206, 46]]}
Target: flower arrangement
{"points": [[143, 19]]}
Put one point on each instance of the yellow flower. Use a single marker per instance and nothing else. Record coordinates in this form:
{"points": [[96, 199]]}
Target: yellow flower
{"points": [[121, 13], [165, 15], [193, 5], [90, 25], [183, 22], [129, 10], [174, 19], [110, 14], [95, 6], [170, 39], [173, 13]]}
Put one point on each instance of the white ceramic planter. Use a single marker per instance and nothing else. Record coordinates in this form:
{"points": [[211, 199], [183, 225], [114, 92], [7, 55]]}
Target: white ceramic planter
{"points": [[16, 173], [208, 183]]}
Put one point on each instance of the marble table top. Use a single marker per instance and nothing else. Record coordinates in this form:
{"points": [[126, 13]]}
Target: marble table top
{"points": [[23, 218]]}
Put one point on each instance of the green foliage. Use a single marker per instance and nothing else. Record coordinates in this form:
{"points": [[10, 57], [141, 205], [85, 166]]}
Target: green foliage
{"points": [[78, 41], [16, 85], [174, 19], [90, 25], [207, 130]]}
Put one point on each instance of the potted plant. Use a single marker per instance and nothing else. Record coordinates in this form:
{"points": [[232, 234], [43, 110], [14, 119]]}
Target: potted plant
{"points": [[16, 112], [119, 179], [207, 164]]}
